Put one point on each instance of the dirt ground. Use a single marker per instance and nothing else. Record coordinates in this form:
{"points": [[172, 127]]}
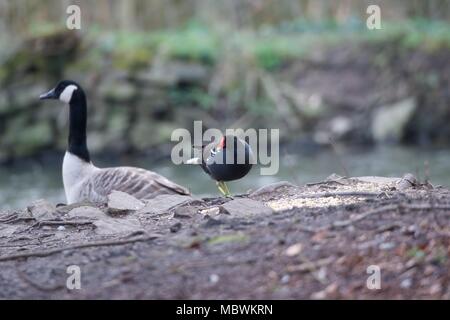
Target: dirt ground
{"points": [[280, 242]]}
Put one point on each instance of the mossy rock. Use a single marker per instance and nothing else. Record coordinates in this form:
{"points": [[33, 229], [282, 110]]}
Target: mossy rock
{"points": [[24, 139], [147, 134], [120, 92], [48, 53]]}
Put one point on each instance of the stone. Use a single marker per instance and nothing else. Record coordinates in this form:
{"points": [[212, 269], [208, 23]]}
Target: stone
{"points": [[211, 222], [123, 202], [210, 211], [389, 121], [163, 203], [340, 126], [175, 227], [334, 177], [42, 210], [214, 278], [7, 230], [86, 212], [294, 250], [64, 209], [111, 226], [246, 207], [378, 180], [185, 212], [408, 181]]}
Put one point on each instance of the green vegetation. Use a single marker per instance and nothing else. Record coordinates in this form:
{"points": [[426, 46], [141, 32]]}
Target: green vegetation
{"points": [[220, 75], [267, 47]]}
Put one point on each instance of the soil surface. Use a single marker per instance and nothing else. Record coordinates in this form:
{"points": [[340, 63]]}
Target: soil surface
{"points": [[317, 241]]}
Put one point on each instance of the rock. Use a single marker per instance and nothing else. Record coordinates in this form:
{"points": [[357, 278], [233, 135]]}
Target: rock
{"points": [[185, 212], [64, 209], [86, 212], [389, 121], [163, 203], [214, 278], [210, 211], [110, 226], [294, 250], [378, 180], [285, 279], [408, 181], [7, 230], [386, 246], [340, 126], [175, 227], [272, 188], [123, 202], [42, 210], [406, 283], [211, 222], [246, 207], [334, 177]]}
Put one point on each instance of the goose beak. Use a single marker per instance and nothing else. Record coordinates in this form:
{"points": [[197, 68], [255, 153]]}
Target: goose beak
{"points": [[49, 95]]}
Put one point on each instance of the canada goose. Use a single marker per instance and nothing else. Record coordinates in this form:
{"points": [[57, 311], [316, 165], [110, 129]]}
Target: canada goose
{"points": [[240, 160], [85, 182]]}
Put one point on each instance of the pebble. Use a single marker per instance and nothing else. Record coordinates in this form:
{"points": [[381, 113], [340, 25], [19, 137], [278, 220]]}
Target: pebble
{"points": [[406, 283], [214, 278], [285, 279], [175, 227], [294, 250], [386, 245]]}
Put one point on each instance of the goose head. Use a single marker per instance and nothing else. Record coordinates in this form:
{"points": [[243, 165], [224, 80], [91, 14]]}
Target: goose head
{"points": [[66, 91]]}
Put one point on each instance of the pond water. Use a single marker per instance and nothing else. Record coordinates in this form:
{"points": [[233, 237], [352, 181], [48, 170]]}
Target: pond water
{"points": [[21, 184]]}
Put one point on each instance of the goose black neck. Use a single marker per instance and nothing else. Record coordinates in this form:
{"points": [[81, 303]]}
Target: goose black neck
{"points": [[77, 129]]}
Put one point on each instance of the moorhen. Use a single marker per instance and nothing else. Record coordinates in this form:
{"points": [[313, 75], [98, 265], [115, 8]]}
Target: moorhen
{"points": [[229, 159]]}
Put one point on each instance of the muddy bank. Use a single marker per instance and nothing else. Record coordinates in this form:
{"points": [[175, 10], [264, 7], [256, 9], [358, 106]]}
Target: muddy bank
{"points": [[281, 241]]}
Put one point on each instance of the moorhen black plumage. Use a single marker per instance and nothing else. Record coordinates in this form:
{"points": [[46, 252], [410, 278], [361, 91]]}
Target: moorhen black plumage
{"points": [[229, 159]]}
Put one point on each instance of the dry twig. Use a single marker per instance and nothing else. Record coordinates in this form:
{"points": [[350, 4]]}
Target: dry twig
{"points": [[44, 253]]}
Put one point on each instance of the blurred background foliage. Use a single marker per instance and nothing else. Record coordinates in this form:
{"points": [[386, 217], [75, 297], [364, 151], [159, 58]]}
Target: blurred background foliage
{"points": [[310, 68], [248, 63]]}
